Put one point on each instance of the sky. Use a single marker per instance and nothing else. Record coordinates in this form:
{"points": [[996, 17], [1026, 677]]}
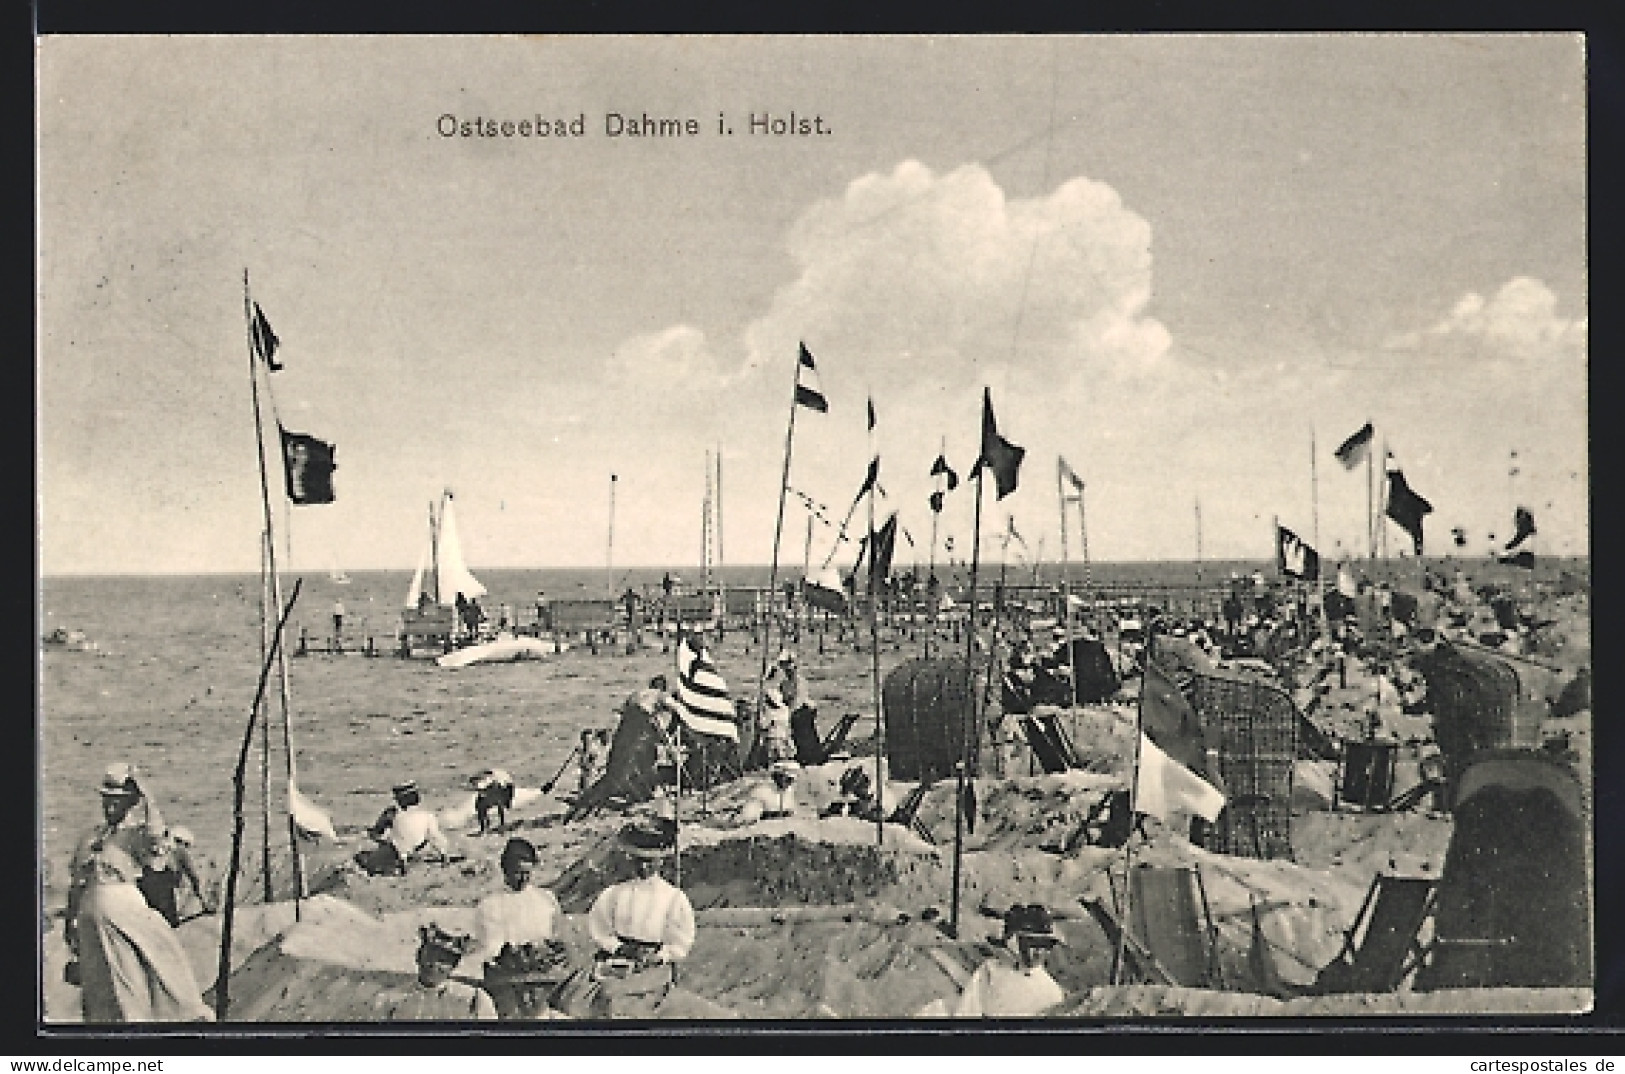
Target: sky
{"points": [[1190, 265]]}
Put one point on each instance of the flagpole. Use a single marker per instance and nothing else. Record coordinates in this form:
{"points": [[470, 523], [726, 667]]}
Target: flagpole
{"points": [[1382, 527], [875, 582], [968, 726], [609, 550], [268, 567], [1370, 509], [1314, 503], [778, 530], [1133, 801], [936, 516], [722, 586], [1083, 541], [222, 983], [1066, 580]]}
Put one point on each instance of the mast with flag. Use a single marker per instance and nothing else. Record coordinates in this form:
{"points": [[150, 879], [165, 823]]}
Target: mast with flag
{"points": [[1004, 459], [1066, 477], [879, 565], [1351, 452], [950, 481], [811, 396]]}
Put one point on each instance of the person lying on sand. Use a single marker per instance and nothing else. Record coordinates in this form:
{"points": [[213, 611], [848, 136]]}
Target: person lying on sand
{"points": [[774, 797], [1014, 983], [435, 996], [406, 831]]}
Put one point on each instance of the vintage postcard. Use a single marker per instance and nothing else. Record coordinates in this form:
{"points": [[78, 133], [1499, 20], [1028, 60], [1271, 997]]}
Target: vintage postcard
{"points": [[785, 528]]}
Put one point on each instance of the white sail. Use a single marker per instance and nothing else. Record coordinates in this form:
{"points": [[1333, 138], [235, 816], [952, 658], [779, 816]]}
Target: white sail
{"points": [[454, 574], [416, 591]]}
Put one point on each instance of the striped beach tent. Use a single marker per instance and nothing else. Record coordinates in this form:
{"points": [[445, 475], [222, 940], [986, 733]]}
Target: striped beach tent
{"points": [[702, 693]]}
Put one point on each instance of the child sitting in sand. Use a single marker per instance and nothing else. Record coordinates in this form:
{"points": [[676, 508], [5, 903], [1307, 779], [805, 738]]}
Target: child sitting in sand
{"points": [[775, 798]]}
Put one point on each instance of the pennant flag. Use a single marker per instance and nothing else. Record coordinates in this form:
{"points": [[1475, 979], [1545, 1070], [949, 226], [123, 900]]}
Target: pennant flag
{"points": [[871, 480], [999, 454], [1070, 476], [941, 467], [1163, 786], [701, 692], [1294, 557], [809, 396], [308, 466], [1406, 507], [882, 548], [308, 817], [968, 805], [1352, 452], [265, 341], [871, 403], [1012, 535], [1523, 522], [936, 502], [824, 590], [1523, 558]]}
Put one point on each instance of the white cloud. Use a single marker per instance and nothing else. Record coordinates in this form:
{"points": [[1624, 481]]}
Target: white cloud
{"points": [[1520, 322], [657, 362]]}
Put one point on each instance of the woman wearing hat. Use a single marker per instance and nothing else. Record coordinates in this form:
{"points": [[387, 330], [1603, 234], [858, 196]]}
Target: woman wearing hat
{"points": [[131, 967], [1014, 983], [435, 996], [404, 831], [641, 927]]}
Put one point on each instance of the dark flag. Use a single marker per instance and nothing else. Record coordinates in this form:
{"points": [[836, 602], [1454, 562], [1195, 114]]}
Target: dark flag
{"points": [[871, 480], [1523, 522], [265, 341], [941, 467], [881, 549], [1168, 719], [1522, 558], [809, 396], [1406, 507], [308, 465], [936, 502], [871, 403], [1458, 535], [1352, 452], [999, 454], [1294, 557]]}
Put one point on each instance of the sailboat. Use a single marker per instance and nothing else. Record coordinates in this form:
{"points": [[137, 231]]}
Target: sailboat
{"points": [[441, 581]]}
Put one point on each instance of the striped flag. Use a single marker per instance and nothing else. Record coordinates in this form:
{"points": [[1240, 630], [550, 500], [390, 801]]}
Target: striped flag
{"points": [[809, 396], [701, 692]]}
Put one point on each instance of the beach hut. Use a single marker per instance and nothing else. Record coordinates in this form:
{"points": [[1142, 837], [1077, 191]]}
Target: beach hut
{"points": [[925, 703], [1256, 726], [1513, 907]]}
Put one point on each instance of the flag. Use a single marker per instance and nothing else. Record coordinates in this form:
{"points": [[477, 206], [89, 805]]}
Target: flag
{"points": [[1294, 557], [936, 502], [1070, 476], [1522, 558], [1406, 507], [809, 396], [308, 817], [871, 480], [1352, 452], [941, 467], [1523, 521], [265, 341], [308, 466], [702, 694], [881, 549], [1162, 786], [1167, 717], [1012, 535], [871, 403], [968, 805], [999, 454], [1458, 535]]}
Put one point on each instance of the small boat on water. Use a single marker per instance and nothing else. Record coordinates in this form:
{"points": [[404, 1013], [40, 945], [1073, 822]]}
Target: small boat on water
{"points": [[73, 640], [502, 649]]}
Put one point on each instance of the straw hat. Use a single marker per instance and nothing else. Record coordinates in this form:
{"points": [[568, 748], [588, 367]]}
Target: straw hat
{"points": [[119, 779], [649, 840], [1031, 921], [408, 787], [436, 942]]}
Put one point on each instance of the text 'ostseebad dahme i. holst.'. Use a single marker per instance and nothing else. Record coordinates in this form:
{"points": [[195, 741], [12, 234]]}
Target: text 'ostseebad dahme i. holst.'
{"points": [[541, 126]]}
